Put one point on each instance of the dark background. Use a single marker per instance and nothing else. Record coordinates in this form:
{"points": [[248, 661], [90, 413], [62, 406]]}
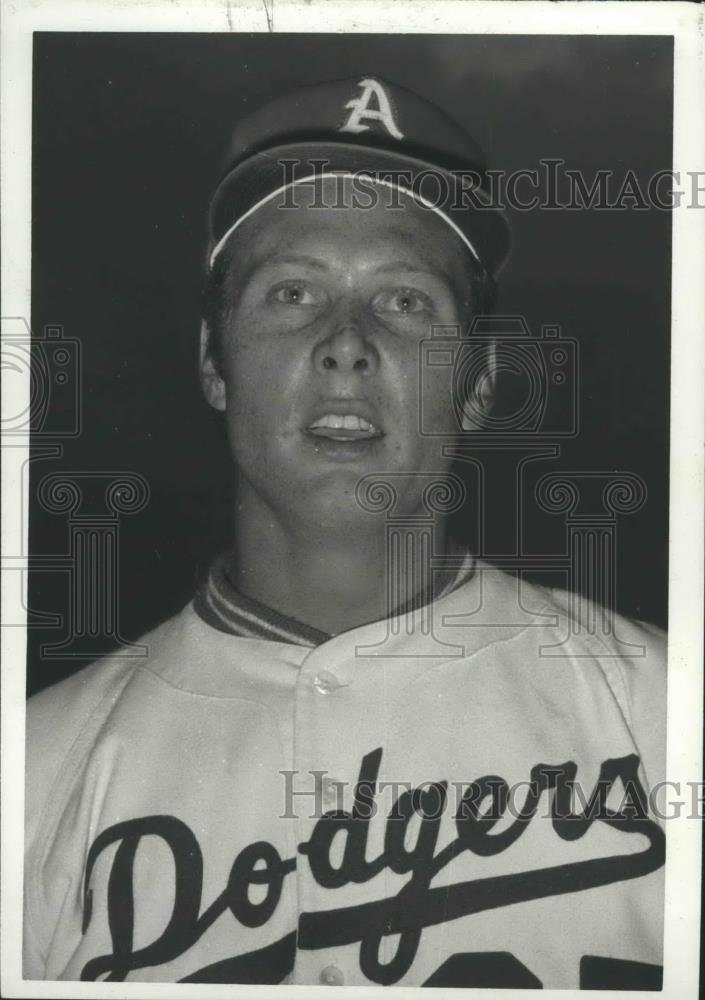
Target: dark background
{"points": [[128, 134]]}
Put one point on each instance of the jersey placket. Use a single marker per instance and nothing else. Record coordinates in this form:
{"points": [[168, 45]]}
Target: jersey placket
{"points": [[335, 722]]}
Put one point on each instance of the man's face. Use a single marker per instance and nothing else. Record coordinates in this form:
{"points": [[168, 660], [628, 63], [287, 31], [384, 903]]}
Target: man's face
{"points": [[320, 352]]}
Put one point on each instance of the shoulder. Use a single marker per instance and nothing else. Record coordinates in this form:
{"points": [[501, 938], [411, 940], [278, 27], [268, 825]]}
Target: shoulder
{"points": [[62, 707], [589, 628], [596, 630], [181, 659], [590, 646], [60, 718], [630, 656], [66, 705], [581, 635]]}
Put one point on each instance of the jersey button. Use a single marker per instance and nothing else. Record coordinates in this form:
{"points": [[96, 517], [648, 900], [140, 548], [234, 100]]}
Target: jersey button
{"points": [[332, 976], [325, 682]]}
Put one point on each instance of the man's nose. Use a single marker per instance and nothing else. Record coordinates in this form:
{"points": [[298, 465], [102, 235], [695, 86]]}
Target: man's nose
{"points": [[346, 348]]}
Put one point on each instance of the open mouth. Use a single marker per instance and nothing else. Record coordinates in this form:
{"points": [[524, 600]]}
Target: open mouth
{"points": [[343, 427]]}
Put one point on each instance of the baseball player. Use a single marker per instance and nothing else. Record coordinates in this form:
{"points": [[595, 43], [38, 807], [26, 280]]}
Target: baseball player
{"points": [[360, 755]]}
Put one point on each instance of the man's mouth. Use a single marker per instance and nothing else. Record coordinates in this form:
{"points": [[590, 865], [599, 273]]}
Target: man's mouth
{"points": [[343, 427]]}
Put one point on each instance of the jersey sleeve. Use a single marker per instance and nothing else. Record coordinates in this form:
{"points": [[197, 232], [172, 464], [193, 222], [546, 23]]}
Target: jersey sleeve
{"points": [[55, 721], [632, 657], [645, 681]]}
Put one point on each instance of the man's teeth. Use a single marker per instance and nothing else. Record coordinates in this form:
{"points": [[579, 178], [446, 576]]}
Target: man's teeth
{"points": [[347, 422]]}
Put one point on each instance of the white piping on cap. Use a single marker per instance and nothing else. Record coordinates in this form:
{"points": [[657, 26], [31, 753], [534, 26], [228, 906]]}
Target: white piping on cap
{"points": [[302, 180]]}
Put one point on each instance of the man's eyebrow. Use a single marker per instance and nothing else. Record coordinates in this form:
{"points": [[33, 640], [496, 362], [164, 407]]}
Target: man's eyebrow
{"points": [[430, 269], [274, 259], [291, 258], [320, 264], [415, 268]]}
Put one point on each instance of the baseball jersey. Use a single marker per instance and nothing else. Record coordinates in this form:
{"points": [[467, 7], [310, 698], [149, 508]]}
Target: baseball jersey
{"points": [[457, 795]]}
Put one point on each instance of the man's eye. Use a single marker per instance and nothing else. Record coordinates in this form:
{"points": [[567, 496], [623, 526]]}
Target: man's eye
{"points": [[294, 294], [403, 300]]}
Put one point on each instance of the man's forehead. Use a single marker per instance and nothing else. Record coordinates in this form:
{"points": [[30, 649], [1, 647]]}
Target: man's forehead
{"points": [[327, 240], [404, 231]]}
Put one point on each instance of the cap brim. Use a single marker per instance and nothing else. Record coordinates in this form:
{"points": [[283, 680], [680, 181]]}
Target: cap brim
{"points": [[463, 203]]}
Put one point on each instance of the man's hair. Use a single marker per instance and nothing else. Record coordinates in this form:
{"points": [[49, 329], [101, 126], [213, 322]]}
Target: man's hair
{"points": [[216, 304]]}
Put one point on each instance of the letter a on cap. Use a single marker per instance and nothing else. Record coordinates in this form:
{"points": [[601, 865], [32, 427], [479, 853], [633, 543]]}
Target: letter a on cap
{"points": [[360, 110]]}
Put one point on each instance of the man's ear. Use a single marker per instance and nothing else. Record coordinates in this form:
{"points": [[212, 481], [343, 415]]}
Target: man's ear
{"points": [[211, 381], [477, 408]]}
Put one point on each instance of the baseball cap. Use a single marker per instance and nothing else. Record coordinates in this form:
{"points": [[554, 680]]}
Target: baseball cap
{"points": [[361, 126]]}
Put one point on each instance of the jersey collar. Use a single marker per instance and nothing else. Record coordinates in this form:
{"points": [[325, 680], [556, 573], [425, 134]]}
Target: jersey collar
{"points": [[223, 607]]}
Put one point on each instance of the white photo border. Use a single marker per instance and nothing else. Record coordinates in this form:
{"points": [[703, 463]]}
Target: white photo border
{"points": [[686, 23]]}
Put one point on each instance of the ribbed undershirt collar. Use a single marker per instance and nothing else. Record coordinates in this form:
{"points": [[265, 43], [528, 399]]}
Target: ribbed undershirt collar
{"points": [[223, 607]]}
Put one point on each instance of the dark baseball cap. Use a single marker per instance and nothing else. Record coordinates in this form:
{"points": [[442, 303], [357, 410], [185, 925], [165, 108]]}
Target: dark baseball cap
{"points": [[362, 126]]}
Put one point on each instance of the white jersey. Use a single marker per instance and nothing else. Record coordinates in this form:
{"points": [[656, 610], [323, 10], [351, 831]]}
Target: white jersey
{"points": [[458, 796]]}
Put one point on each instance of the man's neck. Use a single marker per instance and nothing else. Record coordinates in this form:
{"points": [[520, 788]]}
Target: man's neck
{"points": [[331, 580]]}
